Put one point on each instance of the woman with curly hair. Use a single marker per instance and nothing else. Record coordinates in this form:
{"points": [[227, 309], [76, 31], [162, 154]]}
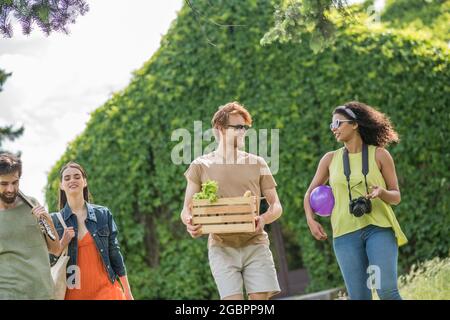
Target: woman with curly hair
{"points": [[366, 233]]}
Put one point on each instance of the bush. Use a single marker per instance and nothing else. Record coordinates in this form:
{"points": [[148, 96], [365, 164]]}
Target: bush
{"points": [[126, 146], [430, 17]]}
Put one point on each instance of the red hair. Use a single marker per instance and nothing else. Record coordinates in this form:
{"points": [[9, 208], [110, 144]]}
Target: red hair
{"points": [[221, 117]]}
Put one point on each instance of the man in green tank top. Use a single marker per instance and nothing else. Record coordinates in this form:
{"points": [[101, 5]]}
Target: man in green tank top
{"points": [[24, 249]]}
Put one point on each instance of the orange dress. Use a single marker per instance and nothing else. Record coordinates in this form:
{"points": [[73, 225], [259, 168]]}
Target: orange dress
{"points": [[94, 280]]}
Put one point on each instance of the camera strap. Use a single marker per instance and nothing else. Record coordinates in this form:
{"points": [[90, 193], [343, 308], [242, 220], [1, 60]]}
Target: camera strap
{"points": [[365, 167]]}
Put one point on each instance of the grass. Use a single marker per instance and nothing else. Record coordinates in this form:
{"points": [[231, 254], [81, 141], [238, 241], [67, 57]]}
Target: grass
{"points": [[429, 280]]}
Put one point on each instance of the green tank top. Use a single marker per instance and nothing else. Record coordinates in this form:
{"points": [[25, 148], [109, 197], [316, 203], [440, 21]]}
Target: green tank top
{"points": [[382, 215], [24, 260]]}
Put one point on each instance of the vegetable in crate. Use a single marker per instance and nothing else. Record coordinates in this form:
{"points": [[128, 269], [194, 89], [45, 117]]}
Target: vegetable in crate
{"points": [[209, 191]]}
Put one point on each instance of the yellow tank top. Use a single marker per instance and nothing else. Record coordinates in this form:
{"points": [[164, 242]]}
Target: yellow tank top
{"points": [[382, 215]]}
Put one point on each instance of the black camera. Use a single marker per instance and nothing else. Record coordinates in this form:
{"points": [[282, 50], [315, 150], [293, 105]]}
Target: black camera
{"points": [[360, 206]]}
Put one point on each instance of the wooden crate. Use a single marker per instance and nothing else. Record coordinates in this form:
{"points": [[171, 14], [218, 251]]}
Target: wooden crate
{"points": [[226, 215]]}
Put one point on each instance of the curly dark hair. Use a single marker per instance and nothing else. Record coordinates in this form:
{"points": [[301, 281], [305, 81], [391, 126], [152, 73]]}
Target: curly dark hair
{"points": [[374, 126]]}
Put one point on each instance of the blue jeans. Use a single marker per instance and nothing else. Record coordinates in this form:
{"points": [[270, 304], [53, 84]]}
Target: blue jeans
{"points": [[370, 252]]}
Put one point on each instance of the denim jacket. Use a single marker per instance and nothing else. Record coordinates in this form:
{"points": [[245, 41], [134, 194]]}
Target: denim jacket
{"points": [[100, 224]]}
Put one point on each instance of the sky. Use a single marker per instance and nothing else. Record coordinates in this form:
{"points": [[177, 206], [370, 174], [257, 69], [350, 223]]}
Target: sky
{"points": [[57, 81]]}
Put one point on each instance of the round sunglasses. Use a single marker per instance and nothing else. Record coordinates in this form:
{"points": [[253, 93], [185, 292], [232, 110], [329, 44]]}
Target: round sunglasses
{"points": [[238, 127], [337, 123]]}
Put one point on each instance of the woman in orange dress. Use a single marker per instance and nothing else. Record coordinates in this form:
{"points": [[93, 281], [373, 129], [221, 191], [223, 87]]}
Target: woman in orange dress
{"points": [[90, 235]]}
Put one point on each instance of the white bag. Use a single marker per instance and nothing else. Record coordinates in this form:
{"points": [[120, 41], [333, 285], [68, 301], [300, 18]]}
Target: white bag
{"points": [[59, 270]]}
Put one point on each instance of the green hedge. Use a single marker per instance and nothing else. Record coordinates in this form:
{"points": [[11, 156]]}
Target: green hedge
{"points": [[126, 145], [430, 17]]}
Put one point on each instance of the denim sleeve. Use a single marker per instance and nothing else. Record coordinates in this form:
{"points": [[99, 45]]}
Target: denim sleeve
{"points": [[115, 256]]}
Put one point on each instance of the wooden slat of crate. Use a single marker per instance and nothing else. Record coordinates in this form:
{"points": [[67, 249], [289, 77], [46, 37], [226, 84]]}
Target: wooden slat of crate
{"points": [[221, 219], [223, 201], [228, 228], [221, 209]]}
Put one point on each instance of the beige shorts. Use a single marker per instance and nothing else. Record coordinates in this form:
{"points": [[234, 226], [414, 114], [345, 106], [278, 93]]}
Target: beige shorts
{"points": [[251, 266]]}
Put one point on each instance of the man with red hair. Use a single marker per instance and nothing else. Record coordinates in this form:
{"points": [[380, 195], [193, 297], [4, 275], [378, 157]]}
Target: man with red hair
{"points": [[237, 259]]}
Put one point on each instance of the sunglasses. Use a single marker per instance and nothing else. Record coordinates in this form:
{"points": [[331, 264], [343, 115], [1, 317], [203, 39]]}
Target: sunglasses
{"points": [[337, 123], [238, 127]]}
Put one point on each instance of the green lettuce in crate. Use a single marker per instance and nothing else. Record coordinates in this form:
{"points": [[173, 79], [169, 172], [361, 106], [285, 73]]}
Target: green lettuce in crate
{"points": [[209, 191]]}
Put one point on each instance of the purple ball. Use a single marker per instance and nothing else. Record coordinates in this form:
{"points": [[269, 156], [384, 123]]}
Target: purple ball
{"points": [[322, 200]]}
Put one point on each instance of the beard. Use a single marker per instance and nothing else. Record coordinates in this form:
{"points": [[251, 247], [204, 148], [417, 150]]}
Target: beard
{"points": [[8, 199]]}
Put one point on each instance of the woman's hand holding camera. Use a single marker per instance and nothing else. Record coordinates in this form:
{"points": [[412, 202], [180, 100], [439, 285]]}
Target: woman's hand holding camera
{"points": [[376, 192]]}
